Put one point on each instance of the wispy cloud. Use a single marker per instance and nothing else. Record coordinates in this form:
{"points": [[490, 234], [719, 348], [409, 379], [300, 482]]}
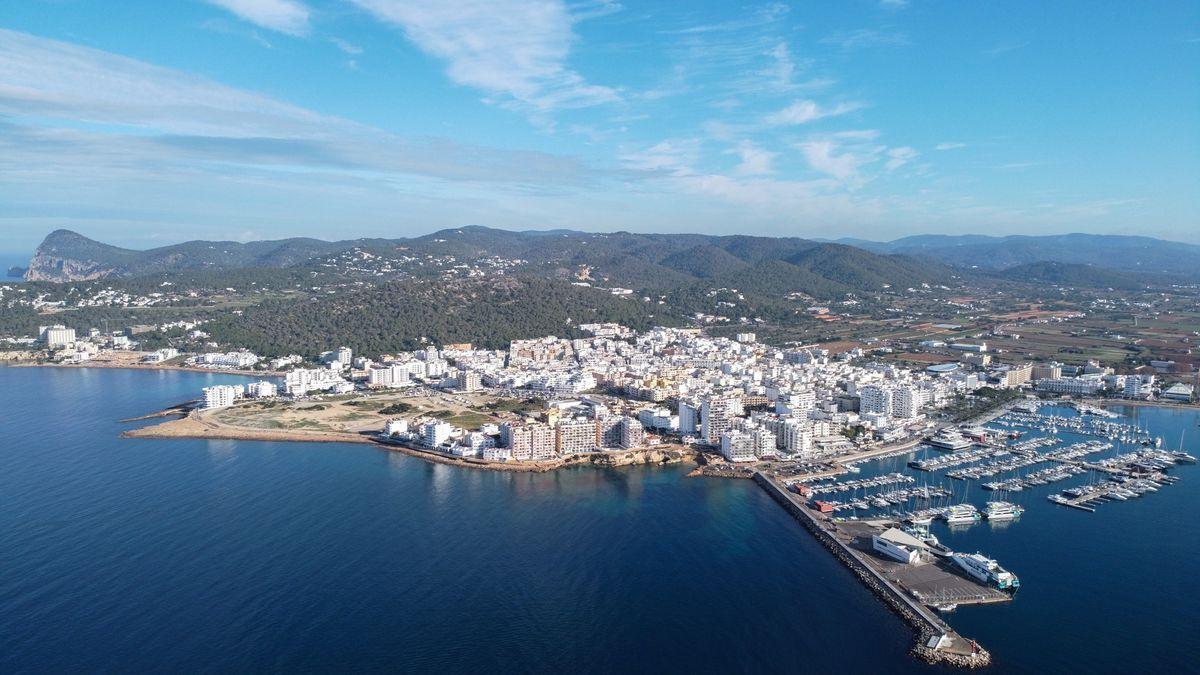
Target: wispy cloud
{"points": [[1005, 47], [949, 145], [898, 157], [347, 47], [863, 38], [284, 16], [515, 51], [823, 156], [147, 117], [755, 160], [807, 110]]}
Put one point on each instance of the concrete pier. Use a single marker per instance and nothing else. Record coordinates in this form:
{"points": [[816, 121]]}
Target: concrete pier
{"points": [[936, 641]]}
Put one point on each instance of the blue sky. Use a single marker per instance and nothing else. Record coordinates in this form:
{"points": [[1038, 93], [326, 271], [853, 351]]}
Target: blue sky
{"points": [[145, 123]]}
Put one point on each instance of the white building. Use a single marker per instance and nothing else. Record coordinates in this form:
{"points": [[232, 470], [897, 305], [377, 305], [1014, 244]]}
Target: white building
{"points": [[57, 335], [300, 381], [689, 418], [576, 435], [717, 415], [433, 434], [633, 434], [470, 380], [875, 399], [221, 395], [738, 446], [262, 389], [238, 359], [395, 427]]}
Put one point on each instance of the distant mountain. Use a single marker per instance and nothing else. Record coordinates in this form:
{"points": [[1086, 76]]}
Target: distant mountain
{"points": [[1072, 274], [1140, 255], [642, 261], [16, 272], [69, 256]]}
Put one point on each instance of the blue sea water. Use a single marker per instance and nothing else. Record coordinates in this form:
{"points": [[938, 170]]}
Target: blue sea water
{"points": [[219, 556], [191, 555]]}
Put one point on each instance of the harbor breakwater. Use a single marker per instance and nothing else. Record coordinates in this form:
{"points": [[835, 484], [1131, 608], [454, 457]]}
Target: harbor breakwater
{"points": [[936, 642]]}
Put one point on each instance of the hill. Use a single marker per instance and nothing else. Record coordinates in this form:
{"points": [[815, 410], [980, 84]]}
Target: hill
{"points": [[650, 262], [1070, 274], [399, 316], [1140, 255]]}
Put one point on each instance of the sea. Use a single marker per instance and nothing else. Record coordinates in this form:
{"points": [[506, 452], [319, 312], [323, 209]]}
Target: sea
{"points": [[232, 556]]}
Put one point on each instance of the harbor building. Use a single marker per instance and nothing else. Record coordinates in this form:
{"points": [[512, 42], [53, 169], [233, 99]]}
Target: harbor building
{"points": [[898, 545]]}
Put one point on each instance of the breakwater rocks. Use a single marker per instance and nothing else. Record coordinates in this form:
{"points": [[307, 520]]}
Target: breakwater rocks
{"points": [[934, 638]]}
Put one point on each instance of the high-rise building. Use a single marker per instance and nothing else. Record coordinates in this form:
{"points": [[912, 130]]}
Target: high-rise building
{"points": [[689, 418], [470, 380], [717, 414], [906, 401], [576, 435], [529, 442], [608, 431], [738, 446], [434, 434], [57, 335], [875, 398], [633, 434]]}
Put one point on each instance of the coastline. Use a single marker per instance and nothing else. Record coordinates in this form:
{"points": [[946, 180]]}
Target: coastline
{"points": [[193, 425], [147, 366]]}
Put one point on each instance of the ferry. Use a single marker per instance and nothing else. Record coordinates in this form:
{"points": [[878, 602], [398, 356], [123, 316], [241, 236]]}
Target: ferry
{"points": [[987, 570], [949, 439], [961, 514], [1002, 511]]}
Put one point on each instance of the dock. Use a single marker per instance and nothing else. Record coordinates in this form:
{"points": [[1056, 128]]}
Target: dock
{"points": [[936, 642]]}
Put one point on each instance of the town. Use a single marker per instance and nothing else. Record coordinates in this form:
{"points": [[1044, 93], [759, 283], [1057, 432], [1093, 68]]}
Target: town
{"points": [[737, 401]]}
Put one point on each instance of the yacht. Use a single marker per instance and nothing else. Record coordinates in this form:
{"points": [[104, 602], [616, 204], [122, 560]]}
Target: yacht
{"points": [[949, 439], [986, 570], [961, 514], [1002, 511]]}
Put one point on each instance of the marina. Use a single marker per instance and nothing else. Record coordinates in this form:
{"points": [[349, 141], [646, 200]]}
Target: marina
{"points": [[884, 517]]}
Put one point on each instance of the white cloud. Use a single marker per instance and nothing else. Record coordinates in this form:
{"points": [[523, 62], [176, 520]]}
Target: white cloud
{"points": [[949, 146], [513, 50], [76, 109], [675, 157], [284, 16], [898, 157], [755, 161], [808, 110], [863, 38], [347, 47], [822, 156]]}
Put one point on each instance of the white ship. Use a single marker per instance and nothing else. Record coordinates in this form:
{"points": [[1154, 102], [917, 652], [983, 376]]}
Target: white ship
{"points": [[986, 570], [961, 514], [949, 439], [1002, 511]]}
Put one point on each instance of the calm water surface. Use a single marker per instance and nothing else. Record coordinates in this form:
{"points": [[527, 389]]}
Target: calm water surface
{"points": [[225, 556], [189, 555]]}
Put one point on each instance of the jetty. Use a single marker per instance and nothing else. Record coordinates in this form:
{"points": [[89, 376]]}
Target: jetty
{"points": [[936, 642]]}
